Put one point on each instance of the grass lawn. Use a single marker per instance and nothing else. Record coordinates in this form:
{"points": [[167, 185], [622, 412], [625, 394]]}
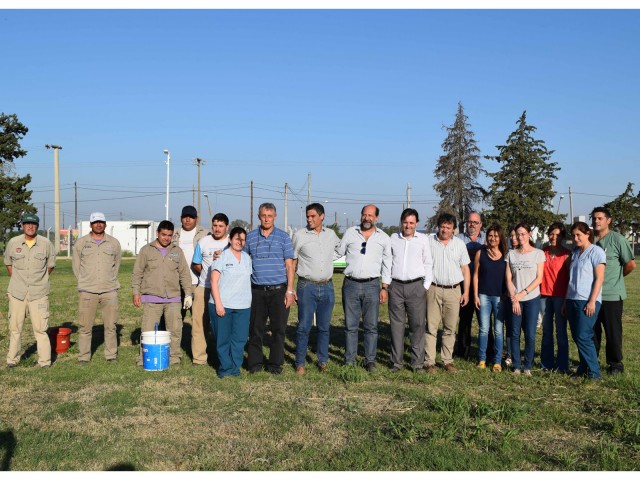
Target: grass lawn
{"points": [[118, 417]]}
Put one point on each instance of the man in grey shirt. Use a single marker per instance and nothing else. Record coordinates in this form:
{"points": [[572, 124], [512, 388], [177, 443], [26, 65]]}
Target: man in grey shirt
{"points": [[411, 273], [368, 257], [313, 251]]}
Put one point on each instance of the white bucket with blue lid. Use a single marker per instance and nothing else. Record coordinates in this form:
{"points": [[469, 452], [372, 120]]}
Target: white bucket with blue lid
{"points": [[155, 349]]}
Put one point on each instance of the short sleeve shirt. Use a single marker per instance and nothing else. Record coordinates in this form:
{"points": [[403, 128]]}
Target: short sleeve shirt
{"points": [[235, 279], [203, 256], [524, 270], [581, 274], [618, 254], [556, 274], [30, 267], [268, 255]]}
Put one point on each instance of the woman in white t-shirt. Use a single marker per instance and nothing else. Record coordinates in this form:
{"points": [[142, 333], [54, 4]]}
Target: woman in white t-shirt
{"points": [[525, 267]]}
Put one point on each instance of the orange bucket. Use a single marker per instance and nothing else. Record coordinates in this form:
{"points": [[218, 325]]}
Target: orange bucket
{"points": [[60, 338]]}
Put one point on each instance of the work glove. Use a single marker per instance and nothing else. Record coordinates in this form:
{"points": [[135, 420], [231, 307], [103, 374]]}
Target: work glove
{"points": [[188, 301]]}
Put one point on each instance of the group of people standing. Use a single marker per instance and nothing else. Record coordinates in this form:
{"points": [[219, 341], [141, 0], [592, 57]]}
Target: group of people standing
{"points": [[238, 283]]}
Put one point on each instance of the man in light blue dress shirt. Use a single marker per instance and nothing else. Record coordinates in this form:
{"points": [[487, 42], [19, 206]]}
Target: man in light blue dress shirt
{"points": [[368, 258]]}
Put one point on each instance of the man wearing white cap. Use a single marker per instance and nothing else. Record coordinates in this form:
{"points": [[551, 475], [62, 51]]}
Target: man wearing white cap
{"points": [[96, 261]]}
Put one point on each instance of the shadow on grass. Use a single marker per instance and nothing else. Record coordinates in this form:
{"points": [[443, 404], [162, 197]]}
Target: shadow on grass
{"points": [[121, 467], [7, 447]]}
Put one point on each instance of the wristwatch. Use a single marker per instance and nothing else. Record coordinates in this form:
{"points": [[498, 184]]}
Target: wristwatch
{"points": [[291, 292]]}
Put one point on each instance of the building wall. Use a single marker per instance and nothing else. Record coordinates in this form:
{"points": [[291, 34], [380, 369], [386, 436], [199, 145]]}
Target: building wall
{"points": [[132, 235]]}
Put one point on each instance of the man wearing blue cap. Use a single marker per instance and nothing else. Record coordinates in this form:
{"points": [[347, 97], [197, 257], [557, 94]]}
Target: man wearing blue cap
{"points": [[29, 258]]}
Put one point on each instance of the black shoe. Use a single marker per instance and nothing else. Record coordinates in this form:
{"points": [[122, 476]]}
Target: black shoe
{"points": [[12, 365], [395, 369], [417, 369], [255, 370], [371, 367], [83, 363], [112, 360], [274, 370]]}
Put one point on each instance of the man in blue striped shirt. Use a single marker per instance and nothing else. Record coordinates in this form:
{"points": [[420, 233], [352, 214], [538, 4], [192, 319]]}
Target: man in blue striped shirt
{"points": [[272, 290]]}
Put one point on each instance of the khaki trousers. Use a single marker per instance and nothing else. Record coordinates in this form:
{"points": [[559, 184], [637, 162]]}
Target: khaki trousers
{"points": [[443, 305], [38, 311], [200, 325], [89, 302], [151, 314]]}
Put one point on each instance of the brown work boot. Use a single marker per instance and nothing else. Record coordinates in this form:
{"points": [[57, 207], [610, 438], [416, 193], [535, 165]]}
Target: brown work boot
{"points": [[449, 368], [323, 368], [431, 369], [300, 370]]}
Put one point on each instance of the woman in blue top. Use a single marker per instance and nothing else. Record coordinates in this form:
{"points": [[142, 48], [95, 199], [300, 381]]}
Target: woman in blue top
{"points": [[230, 303], [489, 285], [584, 297]]}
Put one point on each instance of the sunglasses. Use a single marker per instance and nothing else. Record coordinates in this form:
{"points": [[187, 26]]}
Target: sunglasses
{"points": [[363, 250]]}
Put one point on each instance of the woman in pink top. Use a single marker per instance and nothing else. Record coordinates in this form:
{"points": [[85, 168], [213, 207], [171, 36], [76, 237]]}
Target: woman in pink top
{"points": [[555, 280]]}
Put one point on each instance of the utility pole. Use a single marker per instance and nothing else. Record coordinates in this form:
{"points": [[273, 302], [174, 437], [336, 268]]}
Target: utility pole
{"points": [[193, 196], [168, 154], [408, 195], [286, 206], [308, 188], [335, 218], [56, 201], [199, 162], [570, 206], [44, 216], [75, 213], [251, 208]]}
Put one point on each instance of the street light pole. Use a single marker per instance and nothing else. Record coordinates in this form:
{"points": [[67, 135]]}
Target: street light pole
{"points": [[56, 208], [209, 205], [168, 154], [559, 200]]}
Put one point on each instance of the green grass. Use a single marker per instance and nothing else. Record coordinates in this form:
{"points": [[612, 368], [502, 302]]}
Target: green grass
{"points": [[118, 417]]}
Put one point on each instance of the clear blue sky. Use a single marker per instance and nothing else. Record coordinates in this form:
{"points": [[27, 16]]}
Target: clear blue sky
{"points": [[356, 98]]}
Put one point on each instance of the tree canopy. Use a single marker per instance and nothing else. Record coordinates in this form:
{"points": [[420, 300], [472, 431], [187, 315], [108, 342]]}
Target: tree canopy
{"points": [[522, 190], [15, 198], [457, 170], [625, 211]]}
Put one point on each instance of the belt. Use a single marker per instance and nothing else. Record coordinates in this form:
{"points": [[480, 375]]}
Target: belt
{"points": [[363, 280], [280, 286], [323, 282], [405, 282], [445, 286]]}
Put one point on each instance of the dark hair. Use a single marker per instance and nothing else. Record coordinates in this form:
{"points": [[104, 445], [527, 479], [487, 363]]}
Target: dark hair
{"points": [[237, 231], [447, 218], [581, 227], [604, 210], [220, 217], [502, 246], [267, 206], [370, 205], [407, 212], [526, 226], [559, 226], [165, 225], [317, 207]]}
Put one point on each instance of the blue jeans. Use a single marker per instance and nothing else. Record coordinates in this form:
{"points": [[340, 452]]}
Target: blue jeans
{"points": [[318, 300], [582, 333], [231, 334], [552, 307], [490, 304], [360, 299], [527, 321]]}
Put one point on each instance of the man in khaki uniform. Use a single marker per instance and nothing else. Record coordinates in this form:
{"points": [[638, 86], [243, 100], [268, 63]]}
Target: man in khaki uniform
{"points": [[29, 258], [96, 261], [158, 274]]}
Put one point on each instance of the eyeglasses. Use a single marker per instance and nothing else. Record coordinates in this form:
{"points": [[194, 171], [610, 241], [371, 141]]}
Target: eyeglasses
{"points": [[263, 254], [363, 250], [473, 222]]}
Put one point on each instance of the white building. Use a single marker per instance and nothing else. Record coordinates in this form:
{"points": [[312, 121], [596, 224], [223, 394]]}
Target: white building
{"points": [[132, 235]]}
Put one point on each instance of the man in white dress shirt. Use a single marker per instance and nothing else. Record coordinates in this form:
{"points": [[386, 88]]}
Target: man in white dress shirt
{"points": [[411, 275]]}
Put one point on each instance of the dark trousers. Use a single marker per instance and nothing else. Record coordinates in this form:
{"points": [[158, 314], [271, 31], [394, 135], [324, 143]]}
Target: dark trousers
{"points": [[267, 304], [610, 319]]}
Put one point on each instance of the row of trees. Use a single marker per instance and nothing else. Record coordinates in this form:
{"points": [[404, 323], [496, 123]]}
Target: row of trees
{"points": [[522, 189]]}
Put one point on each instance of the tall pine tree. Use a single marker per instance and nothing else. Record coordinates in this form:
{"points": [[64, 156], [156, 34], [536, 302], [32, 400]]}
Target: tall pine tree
{"points": [[522, 189], [15, 198], [457, 170]]}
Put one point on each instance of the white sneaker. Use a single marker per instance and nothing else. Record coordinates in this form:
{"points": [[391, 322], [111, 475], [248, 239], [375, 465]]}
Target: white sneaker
{"points": [[527, 373]]}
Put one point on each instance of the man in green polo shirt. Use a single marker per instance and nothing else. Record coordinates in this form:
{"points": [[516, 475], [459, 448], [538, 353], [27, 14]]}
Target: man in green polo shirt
{"points": [[620, 263], [29, 258]]}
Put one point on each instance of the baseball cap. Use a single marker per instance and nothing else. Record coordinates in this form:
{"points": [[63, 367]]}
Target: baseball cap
{"points": [[30, 218], [97, 217], [189, 211]]}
